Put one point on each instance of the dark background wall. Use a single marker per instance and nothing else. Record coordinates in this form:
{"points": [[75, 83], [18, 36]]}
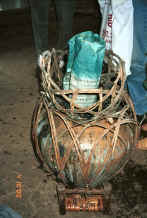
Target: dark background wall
{"points": [[16, 27], [85, 7]]}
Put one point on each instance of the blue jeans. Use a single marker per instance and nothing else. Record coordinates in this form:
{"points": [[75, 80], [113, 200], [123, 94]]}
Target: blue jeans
{"points": [[7, 212], [139, 58]]}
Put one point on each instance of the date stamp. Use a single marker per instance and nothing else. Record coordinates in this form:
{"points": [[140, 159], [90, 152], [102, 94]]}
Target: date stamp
{"points": [[19, 186]]}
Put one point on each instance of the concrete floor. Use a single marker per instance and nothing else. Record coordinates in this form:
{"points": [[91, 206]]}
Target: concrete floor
{"points": [[19, 92]]}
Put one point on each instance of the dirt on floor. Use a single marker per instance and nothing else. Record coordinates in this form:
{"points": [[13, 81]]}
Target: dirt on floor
{"points": [[19, 169]]}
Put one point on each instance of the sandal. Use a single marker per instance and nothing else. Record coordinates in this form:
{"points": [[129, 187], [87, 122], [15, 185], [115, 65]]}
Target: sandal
{"points": [[142, 144], [144, 127]]}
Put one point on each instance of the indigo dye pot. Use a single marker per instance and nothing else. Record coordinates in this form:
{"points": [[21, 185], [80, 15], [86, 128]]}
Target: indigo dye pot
{"points": [[83, 154]]}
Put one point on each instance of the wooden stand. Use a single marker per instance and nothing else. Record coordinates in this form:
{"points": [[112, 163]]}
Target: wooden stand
{"points": [[96, 200]]}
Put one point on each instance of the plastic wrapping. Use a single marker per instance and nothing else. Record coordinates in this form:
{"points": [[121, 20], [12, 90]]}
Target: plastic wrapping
{"points": [[117, 28]]}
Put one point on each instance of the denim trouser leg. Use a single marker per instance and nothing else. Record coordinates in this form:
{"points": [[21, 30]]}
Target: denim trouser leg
{"points": [[7, 212], [139, 58], [11, 4], [65, 11], [39, 12]]}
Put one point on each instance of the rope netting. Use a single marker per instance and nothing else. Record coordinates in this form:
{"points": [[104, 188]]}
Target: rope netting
{"points": [[109, 92]]}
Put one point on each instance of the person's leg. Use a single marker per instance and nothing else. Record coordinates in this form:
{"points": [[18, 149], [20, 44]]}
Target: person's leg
{"points": [[65, 12], [9, 4], [39, 12], [138, 67], [139, 58]]}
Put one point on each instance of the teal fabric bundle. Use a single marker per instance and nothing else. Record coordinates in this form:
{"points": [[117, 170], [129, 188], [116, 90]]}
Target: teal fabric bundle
{"points": [[84, 66]]}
